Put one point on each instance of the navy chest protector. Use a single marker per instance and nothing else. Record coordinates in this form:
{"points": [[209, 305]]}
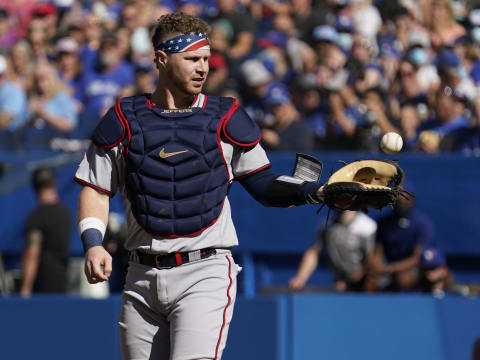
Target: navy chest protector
{"points": [[176, 175]]}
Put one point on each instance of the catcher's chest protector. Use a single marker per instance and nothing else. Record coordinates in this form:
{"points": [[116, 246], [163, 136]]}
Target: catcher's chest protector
{"points": [[176, 176]]}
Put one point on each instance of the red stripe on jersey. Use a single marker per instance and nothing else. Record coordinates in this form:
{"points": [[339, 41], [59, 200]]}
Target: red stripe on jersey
{"points": [[220, 125], [83, 182], [226, 307], [254, 171], [127, 125], [205, 98]]}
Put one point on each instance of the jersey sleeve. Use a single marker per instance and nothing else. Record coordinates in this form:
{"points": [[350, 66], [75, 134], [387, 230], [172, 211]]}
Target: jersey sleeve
{"points": [[248, 161], [101, 169]]}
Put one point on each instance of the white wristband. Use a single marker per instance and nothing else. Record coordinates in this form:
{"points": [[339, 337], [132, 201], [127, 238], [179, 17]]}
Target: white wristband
{"points": [[91, 223]]}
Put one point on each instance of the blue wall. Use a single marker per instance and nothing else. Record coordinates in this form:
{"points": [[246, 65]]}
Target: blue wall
{"points": [[446, 187], [283, 327]]}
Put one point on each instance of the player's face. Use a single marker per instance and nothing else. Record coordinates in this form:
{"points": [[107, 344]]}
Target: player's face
{"points": [[188, 71]]}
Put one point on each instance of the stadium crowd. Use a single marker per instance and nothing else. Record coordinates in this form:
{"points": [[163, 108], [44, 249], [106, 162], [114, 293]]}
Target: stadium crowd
{"points": [[315, 74]]}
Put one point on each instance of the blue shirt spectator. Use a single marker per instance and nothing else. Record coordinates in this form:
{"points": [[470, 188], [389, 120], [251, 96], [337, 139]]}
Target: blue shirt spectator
{"points": [[52, 111], [13, 101], [99, 87], [400, 234], [13, 105]]}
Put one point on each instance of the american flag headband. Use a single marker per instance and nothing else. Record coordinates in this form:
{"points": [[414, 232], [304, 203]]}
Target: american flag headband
{"points": [[185, 42]]}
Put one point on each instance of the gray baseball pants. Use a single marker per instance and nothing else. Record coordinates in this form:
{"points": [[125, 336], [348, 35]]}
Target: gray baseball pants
{"points": [[182, 313]]}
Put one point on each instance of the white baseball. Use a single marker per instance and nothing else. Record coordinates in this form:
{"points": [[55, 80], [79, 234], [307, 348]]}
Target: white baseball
{"points": [[391, 143]]}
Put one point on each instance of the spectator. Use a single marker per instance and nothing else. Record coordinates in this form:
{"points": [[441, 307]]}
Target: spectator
{"points": [[419, 55], [92, 30], [401, 236], [447, 130], [68, 63], [13, 102], [48, 230], [7, 37], [100, 86], [217, 80], [349, 242], [21, 71], [433, 271], [410, 122], [21, 12], [37, 36], [243, 30], [313, 109], [256, 79], [445, 29], [52, 111], [289, 132]]}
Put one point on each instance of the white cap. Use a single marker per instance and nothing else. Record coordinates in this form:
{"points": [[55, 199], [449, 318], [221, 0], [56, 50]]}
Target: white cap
{"points": [[418, 38], [67, 44], [140, 41], [255, 73], [3, 64]]}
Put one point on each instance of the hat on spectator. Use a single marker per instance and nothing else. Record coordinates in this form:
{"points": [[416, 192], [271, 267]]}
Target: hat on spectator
{"points": [[140, 41], [108, 37], [431, 258], [44, 9], [273, 38], [254, 73], [67, 45], [305, 82], [277, 94], [474, 17], [3, 65], [390, 51], [63, 4], [447, 59], [187, 2], [143, 65], [344, 23], [418, 38], [325, 33]]}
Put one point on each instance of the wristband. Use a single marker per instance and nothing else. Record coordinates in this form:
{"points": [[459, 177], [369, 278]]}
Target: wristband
{"points": [[309, 191], [91, 231]]}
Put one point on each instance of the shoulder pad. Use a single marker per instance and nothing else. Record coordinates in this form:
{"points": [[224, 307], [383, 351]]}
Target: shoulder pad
{"points": [[239, 128], [112, 129]]}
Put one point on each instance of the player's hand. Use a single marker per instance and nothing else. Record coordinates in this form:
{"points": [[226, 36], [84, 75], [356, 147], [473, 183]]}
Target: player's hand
{"points": [[320, 194], [296, 284], [98, 265]]}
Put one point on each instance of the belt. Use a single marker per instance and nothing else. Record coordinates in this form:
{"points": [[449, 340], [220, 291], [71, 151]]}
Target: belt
{"points": [[168, 261]]}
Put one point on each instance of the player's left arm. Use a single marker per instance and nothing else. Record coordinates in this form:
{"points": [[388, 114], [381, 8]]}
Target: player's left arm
{"points": [[281, 191], [251, 167]]}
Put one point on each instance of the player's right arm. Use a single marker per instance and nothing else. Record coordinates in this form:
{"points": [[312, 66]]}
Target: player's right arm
{"points": [[93, 207], [99, 173]]}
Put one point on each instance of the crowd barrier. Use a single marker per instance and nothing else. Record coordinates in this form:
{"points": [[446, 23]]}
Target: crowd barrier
{"points": [[446, 187], [281, 327]]}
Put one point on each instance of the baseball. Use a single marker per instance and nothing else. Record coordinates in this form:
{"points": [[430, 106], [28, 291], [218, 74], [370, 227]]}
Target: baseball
{"points": [[391, 143]]}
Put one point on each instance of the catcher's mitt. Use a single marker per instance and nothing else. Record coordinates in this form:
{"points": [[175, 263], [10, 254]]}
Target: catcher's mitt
{"points": [[365, 184]]}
